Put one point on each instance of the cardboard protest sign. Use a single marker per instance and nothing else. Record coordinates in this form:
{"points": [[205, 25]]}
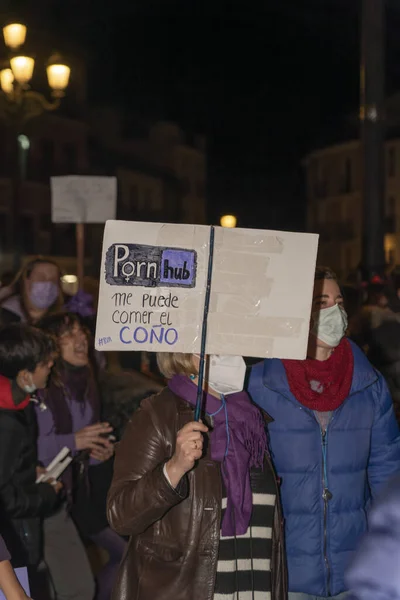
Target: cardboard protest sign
{"points": [[22, 576], [153, 282], [83, 199]]}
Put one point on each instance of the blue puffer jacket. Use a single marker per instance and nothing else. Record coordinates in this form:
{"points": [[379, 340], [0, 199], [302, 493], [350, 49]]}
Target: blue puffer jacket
{"points": [[359, 454], [374, 573]]}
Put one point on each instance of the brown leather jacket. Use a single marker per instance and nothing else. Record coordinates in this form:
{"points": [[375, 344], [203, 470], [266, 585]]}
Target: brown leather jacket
{"points": [[174, 534]]}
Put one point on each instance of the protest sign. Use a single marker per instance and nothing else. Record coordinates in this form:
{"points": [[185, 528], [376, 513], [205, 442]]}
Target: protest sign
{"points": [[83, 199], [153, 282], [22, 576]]}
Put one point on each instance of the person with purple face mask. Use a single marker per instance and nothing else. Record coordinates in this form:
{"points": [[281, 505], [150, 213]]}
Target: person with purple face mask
{"points": [[38, 292]]}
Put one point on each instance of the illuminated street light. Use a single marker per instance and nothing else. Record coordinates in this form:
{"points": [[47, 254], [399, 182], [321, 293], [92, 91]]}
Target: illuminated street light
{"points": [[14, 35], [228, 221], [19, 104]]}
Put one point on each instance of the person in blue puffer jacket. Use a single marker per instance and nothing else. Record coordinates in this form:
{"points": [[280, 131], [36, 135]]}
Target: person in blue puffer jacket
{"points": [[374, 573], [334, 442]]}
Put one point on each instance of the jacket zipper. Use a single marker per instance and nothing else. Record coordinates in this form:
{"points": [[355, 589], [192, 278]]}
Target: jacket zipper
{"points": [[327, 496]]}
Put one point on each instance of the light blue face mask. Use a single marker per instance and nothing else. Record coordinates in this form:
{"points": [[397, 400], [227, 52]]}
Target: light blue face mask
{"points": [[330, 325]]}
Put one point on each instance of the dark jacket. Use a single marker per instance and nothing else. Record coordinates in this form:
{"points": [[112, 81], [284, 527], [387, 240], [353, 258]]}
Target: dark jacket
{"points": [[22, 502], [174, 533]]}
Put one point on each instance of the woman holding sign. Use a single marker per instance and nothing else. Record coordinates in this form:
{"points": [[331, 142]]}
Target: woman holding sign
{"points": [[199, 500]]}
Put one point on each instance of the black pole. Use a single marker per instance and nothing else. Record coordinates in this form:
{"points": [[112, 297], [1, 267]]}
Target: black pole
{"points": [[372, 100], [16, 196]]}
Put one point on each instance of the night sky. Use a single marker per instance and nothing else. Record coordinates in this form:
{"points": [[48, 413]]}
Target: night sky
{"points": [[266, 81]]}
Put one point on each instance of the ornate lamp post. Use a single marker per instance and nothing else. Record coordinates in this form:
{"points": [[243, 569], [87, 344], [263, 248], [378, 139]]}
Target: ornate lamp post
{"points": [[19, 104]]}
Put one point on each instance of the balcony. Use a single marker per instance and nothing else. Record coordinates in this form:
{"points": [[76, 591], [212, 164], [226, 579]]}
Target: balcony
{"points": [[337, 232], [390, 224], [321, 190]]}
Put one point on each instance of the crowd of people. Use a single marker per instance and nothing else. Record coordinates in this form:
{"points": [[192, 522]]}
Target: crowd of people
{"points": [[288, 488]]}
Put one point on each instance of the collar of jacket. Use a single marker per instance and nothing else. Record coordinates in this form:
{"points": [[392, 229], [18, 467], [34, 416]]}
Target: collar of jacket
{"points": [[11, 396]]}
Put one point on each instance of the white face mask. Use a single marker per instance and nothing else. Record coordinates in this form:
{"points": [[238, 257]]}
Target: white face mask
{"points": [[226, 373], [330, 325], [30, 388]]}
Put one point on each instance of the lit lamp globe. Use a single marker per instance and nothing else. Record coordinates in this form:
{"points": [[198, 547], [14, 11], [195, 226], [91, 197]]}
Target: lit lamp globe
{"points": [[228, 221], [58, 76], [7, 81], [14, 35], [22, 68]]}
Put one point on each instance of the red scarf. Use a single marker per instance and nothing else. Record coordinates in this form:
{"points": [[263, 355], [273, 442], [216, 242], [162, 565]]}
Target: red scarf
{"points": [[322, 385], [6, 396]]}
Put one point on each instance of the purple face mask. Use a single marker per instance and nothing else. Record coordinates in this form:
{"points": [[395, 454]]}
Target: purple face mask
{"points": [[43, 293]]}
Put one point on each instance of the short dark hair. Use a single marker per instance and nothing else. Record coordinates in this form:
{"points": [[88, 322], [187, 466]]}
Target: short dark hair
{"points": [[324, 273], [59, 323], [23, 347]]}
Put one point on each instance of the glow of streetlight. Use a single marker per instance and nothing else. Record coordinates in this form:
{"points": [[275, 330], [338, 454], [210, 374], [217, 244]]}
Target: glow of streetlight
{"points": [[228, 221], [14, 35], [22, 68], [58, 77], [7, 81]]}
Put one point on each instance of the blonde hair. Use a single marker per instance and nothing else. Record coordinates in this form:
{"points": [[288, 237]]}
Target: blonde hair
{"points": [[176, 363]]}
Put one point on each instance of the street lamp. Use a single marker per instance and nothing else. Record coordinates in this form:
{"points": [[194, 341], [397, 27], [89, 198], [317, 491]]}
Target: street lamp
{"points": [[19, 104], [228, 221]]}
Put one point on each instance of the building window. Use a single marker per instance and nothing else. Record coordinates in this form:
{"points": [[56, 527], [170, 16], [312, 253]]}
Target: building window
{"points": [[349, 259], [200, 189], [69, 151], [45, 223], [133, 198], [390, 248], [27, 231], [4, 229], [48, 156], [392, 162], [348, 177], [148, 199]]}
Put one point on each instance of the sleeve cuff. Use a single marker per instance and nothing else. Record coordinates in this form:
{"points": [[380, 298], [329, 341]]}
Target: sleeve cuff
{"points": [[166, 475], [182, 489]]}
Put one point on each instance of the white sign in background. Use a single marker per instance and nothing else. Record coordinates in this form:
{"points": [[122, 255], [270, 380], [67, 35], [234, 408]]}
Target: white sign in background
{"points": [[153, 281], [83, 199]]}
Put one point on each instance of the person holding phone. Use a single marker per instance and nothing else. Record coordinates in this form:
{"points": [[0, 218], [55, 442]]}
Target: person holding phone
{"points": [[69, 416], [199, 500]]}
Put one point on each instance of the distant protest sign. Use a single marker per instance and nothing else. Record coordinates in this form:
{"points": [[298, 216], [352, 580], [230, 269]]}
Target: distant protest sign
{"points": [[83, 199], [153, 283]]}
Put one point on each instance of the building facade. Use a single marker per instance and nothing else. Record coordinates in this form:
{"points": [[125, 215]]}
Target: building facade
{"points": [[334, 203]]}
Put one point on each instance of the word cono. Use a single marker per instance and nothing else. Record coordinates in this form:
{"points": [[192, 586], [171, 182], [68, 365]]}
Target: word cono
{"points": [[156, 335]]}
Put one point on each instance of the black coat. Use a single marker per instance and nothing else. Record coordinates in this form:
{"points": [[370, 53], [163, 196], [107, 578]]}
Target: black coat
{"points": [[23, 503]]}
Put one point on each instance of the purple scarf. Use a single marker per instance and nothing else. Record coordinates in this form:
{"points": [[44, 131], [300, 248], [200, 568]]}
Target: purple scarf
{"points": [[238, 441]]}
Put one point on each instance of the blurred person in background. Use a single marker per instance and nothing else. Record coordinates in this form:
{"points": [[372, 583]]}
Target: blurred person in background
{"points": [[334, 443], [199, 501], [69, 416], [374, 572], [37, 292]]}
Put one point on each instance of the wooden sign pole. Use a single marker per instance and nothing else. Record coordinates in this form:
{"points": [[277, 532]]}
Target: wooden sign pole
{"points": [[80, 253]]}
